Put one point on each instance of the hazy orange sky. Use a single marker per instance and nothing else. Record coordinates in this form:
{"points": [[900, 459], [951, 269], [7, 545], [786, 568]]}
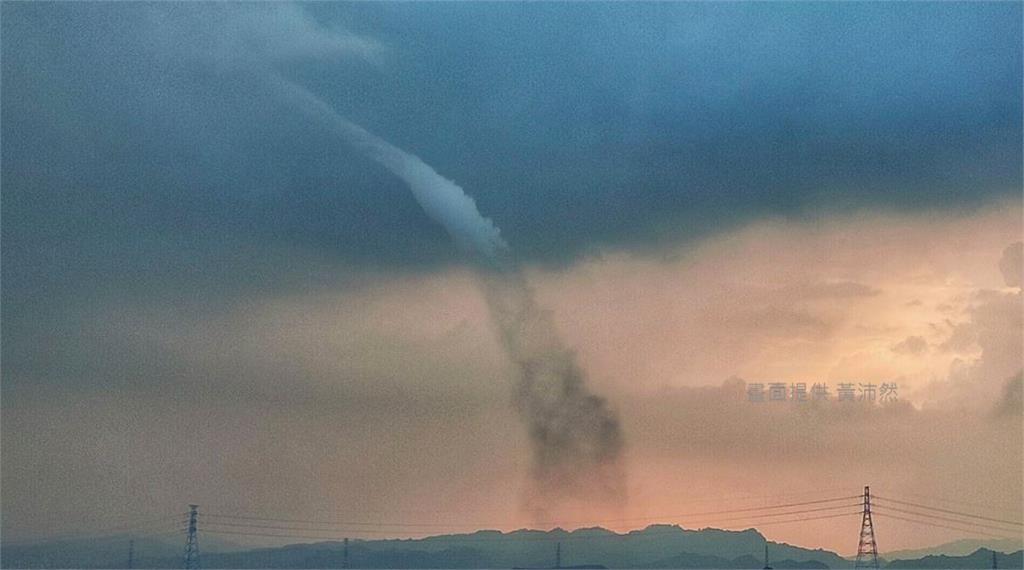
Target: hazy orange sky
{"points": [[388, 399]]}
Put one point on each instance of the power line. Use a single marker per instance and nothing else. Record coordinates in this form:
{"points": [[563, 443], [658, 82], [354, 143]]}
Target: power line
{"points": [[972, 530], [956, 501], [265, 534], [209, 524], [222, 523], [1018, 523], [728, 511], [544, 523], [507, 537], [748, 517], [231, 521], [93, 537], [111, 531], [378, 531], [747, 497], [333, 523], [811, 518], [947, 519]]}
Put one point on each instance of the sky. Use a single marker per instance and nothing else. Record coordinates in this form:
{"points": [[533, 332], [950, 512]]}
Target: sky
{"points": [[208, 296]]}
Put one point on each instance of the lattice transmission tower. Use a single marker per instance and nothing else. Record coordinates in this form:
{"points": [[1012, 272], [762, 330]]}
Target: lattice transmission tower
{"points": [[867, 550], [192, 543]]}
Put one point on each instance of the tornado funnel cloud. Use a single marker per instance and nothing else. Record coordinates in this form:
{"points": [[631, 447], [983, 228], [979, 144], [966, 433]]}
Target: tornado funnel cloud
{"points": [[576, 438], [443, 200]]}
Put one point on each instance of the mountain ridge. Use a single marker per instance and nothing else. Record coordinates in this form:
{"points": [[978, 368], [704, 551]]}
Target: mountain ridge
{"points": [[479, 549], [655, 546], [961, 547]]}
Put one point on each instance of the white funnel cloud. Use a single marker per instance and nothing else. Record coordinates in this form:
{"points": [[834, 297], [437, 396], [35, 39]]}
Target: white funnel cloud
{"points": [[576, 438], [443, 200]]}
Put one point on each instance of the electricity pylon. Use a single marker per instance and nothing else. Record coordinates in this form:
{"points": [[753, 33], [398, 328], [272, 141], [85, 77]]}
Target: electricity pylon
{"points": [[192, 544], [867, 550]]}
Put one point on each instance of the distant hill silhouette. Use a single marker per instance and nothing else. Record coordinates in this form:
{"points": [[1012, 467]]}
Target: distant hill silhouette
{"points": [[960, 547], [106, 552], [657, 546], [747, 562], [536, 549], [979, 559]]}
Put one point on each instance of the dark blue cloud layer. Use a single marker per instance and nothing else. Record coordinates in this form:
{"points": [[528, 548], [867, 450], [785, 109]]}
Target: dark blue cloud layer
{"points": [[576, 127]]}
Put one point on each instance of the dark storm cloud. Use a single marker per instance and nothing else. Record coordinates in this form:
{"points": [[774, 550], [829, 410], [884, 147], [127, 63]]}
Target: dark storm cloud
{"points": [[574, 126], [144, 163], [639, 122]]}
